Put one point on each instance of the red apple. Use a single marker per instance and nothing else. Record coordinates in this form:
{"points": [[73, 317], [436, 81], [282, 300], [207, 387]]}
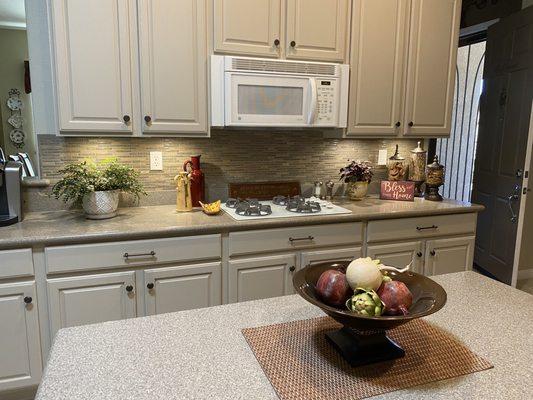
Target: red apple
{"points": [[396, 297], [333, 288]]}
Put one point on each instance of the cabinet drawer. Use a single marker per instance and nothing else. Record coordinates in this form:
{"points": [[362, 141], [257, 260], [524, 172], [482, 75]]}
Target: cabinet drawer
{"points": [[294, 238], [421, 227], [132, 253], [15, 263]]}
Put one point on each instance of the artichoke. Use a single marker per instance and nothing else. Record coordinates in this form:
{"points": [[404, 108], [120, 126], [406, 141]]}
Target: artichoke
{"points": [[365, 302]]}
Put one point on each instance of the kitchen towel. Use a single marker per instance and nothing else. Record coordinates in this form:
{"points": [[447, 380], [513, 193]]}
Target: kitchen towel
{"points": [[302, 365]]}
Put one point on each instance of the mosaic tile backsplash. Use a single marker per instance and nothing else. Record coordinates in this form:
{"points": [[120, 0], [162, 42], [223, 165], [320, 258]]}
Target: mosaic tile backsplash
{"points": [[228, 156]]}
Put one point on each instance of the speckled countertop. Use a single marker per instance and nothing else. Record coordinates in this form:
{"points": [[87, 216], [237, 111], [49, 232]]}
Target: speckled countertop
{"points": [[69, 227], [201, 354]]}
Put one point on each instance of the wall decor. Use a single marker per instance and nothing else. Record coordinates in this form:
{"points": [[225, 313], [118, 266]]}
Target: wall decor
{"points": [[15, 105]]}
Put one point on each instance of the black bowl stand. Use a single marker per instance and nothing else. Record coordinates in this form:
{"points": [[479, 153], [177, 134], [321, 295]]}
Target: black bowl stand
{"points": [[364, 347]]}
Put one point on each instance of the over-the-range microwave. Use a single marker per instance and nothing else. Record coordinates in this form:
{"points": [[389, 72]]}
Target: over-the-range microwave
{"points": [[278, 93]]}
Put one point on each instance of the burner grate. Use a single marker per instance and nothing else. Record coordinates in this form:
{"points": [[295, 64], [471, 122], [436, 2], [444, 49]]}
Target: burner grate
{"points": [[300, 205]]}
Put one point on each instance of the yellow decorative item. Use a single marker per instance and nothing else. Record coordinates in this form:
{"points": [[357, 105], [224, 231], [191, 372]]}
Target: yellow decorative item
{"points": [[211, 208], [183, 192]]}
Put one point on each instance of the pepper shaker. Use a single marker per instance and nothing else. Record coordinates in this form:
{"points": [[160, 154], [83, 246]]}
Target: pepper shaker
{"points": [[318, 190], [329, 190]]}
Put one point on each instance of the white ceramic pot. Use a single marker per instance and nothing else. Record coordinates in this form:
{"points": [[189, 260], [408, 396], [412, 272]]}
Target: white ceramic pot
{"points": [[101, 205], [357, 190]]}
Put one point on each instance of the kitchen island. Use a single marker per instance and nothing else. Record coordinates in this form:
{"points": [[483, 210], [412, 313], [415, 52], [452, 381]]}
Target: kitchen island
{"points": [[202, 354]]}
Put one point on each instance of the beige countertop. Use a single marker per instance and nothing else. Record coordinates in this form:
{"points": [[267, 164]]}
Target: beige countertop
{"points": [[70, 227], [202, 354]]}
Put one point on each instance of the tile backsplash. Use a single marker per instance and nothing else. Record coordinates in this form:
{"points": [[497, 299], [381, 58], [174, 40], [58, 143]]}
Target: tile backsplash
{"points": [[228, 156]]}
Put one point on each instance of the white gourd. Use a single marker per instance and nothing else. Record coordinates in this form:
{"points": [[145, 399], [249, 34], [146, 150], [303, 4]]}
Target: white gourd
{"points": [[364, 273]]}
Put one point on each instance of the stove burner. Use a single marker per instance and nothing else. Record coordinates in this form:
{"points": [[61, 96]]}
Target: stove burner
{"points": [[234, 203], [253, 208], [299, 205], [285, 200]]}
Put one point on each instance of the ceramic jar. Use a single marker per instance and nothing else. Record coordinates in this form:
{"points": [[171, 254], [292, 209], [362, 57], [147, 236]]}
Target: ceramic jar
{"points": [[101, 205], [417, 168], [357, 190], [397, 167]]}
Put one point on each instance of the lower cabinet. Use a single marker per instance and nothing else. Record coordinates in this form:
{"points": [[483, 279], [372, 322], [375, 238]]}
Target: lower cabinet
{"points": [[20, 348], [261, 277], [81, 300], [399, 254], [318, 256], [182, 288], [448, 255]]}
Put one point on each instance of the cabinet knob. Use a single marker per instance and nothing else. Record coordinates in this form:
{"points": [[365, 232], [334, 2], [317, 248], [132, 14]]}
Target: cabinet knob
{"points": [[276, 42], [28, 299], [432, 252], [126, 118], [147, 119], [411, 123], [292, 268], [398, 124], [129, 288], [150, 286], [419, 254], [293, 43]]}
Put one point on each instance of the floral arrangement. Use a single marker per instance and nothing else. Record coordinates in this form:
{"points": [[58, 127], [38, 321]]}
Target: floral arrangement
{"points": [[357, 171], [85, 177]]}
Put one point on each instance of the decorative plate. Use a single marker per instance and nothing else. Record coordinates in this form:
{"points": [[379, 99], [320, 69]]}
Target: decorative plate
{"points": [[17, 136], [16, 121]]}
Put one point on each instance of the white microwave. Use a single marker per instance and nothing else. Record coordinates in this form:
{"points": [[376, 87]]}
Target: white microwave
{"points": [[279, 93]]}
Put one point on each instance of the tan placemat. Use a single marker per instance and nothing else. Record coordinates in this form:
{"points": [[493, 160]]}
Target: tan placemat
{"points": [[301, 364]]}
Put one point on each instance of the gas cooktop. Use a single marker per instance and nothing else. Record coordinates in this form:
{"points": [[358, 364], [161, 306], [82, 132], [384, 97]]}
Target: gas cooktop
{"points": [[280, 207]]}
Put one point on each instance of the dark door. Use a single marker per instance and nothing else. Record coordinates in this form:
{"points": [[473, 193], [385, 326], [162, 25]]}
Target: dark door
{"points": [[503, 131]]}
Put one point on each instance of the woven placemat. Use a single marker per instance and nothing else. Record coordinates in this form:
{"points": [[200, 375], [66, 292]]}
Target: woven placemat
{"points": [[301, 364]]}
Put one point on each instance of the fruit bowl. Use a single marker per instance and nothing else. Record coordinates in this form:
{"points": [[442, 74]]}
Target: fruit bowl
{"points": [[363, 339]]}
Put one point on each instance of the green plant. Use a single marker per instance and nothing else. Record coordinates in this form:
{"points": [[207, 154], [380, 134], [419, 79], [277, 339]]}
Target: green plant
{"points": [[85, 177], [357, 171]]}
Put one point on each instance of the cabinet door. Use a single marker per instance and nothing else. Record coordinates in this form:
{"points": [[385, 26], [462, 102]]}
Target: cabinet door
{"points": [[20, 348], [93, 55], [317, 29], [182, 288], [318, 256], [431, 67], [399, 254], [82, 300], [260, 278], [449, 255], [173, 54], [247, 27], [379, 49]]}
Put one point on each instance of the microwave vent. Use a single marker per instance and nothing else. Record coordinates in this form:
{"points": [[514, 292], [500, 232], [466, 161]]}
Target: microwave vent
{"points": [[249, 64]]}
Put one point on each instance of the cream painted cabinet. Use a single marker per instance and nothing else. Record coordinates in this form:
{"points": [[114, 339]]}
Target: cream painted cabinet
{"points": [[20, 348], [377, 61], [431, 68], [317, 29], [399, 254], [247, 27], [173, 58], [182, 288], [448, 255], [261, 277], [94, 44], [318, 256], [81, 300]]}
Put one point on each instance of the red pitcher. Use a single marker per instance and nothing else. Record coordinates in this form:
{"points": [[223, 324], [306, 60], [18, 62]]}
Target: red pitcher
{"points": [[197, 180]]}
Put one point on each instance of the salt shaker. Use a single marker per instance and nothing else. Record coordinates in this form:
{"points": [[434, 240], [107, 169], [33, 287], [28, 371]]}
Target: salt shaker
{"points": [[317, 192], [329, 190]]}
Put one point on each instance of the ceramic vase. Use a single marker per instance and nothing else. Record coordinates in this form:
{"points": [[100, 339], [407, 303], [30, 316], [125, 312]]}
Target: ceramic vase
{"points": [[101, 205], [357, 190]]}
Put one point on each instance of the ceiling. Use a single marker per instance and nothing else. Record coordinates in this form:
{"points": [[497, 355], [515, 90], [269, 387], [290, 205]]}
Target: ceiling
{"points": [[12, 14]]}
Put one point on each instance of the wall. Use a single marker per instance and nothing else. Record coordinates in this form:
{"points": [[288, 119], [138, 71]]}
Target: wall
{"points": [[527, 3], [228, 156]]}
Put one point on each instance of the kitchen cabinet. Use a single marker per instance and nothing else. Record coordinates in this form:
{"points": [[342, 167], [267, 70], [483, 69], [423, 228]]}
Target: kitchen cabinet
{"points": [[448, 255], [399, 254], [261, 277], [81, 300], [94, 65], [173, 65], [182, 288], [20, 348], [317, 29], [318, 256], [247, 27]]}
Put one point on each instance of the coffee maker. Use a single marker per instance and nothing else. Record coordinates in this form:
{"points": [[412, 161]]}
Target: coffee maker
{"points": [[10, 191]]}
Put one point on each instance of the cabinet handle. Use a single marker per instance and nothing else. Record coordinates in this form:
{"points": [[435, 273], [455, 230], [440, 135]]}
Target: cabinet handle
{"points": [[398, 124], [432, 252], [128, 255], [126, 118], [425, 228], [291, 239], [28, 299], [150, 286], [419, 254], [129, 288], [411, 124], [293, 43], [276, 42], [147, 119], [292, 268]]}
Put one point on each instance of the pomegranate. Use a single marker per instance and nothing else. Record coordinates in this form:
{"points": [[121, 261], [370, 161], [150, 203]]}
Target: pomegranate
{"points": [[333, 288], [396, 297]]}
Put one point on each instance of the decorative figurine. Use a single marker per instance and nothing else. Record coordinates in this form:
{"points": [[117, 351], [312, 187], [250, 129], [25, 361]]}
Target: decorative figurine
{"points": [[183, 192], [397, 167], [329, 190], [197, 180], [434, 180], [417, 168]]}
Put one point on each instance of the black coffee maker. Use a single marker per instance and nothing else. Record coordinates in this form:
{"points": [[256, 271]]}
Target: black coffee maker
{"points": [[10, 191]]}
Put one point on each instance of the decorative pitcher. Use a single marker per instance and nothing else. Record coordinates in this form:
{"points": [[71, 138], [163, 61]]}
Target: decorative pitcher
{"points": [[197, 180], [183, 192]]}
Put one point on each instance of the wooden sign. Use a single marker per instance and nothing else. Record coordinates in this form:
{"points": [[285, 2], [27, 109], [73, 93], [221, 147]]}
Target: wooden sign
{"points": [[397, 190]]}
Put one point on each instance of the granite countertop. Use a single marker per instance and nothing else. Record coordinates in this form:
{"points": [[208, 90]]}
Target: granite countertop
{"points": [[201, 354], [70, 227]]}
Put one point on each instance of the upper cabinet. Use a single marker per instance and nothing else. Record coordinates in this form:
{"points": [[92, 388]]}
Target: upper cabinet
{"points": [[403, 57], [294, 29]]}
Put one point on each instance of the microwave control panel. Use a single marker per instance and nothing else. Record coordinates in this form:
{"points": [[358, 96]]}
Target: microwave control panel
{"points": [[326, 101]]}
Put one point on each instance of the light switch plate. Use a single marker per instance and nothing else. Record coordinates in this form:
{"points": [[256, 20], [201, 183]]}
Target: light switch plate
{"points": [[382, 157], [156, 161]]}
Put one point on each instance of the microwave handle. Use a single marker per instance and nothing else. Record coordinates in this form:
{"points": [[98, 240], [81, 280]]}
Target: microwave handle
{"points": [[313, 105]]}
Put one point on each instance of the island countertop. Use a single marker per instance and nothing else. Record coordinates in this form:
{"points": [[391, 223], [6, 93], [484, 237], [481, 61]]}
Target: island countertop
{"points": [[71, 227], [202, 354]]}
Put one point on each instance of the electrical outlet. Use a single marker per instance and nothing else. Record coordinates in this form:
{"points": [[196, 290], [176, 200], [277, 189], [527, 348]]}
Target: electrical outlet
{"points": [[382, 157], [156, 161]]}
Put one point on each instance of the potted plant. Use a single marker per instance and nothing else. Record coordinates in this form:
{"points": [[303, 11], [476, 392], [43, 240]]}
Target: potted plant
{"points": [[357, 175], [96, 187]]}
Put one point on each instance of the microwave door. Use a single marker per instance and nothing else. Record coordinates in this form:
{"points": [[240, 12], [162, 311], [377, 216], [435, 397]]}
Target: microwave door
{"points": [[313, 101]]}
